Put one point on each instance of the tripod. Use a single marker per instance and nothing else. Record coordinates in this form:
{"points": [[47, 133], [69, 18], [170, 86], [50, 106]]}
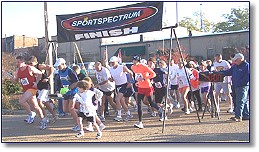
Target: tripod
{"points": [[213, 106]]}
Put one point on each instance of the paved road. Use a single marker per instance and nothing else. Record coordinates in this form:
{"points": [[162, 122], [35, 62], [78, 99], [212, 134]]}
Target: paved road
{"points": [[179, 128]]}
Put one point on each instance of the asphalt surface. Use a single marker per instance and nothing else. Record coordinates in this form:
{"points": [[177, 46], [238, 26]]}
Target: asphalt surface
{"points": [[179, 128]]}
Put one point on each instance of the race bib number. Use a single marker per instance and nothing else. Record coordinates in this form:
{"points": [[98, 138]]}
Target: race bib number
{"points": [[24, 81], [139, 77], [158, 85]]}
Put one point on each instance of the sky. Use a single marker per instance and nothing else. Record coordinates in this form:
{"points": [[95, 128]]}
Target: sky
{"points": [[27, 18]]}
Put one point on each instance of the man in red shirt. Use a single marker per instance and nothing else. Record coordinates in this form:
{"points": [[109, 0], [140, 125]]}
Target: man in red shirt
{"points": [[143, 74], [29, 76]]}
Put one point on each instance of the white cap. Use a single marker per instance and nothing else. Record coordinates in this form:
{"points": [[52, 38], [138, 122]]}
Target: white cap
{"points": [[114, 59], [60, 61], [193, 63], [238, 56]]}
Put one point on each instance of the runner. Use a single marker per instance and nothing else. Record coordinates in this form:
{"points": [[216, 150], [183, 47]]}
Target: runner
{"points": [[68, 79], [43, 87], [29, 77], [143, 74], [118, 73]]}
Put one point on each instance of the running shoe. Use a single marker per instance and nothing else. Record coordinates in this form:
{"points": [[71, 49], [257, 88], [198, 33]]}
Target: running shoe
{"points": [[80, 134], [128, 117], [102, 118], [31, 117], [43, 124], [76, 128], [153, 114], [162, 119], [139, 125], [118, 118]]}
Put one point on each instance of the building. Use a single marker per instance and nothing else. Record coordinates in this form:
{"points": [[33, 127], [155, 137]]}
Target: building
{"points": [[201, 46], [9, 44]]}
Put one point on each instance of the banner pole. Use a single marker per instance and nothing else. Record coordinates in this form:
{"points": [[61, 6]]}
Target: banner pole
{"points": [[78, 52], [167, 78]]}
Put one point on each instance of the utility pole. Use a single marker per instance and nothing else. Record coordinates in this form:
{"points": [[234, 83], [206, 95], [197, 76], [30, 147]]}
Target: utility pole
{"points": [[201, 15], [48, 47]]}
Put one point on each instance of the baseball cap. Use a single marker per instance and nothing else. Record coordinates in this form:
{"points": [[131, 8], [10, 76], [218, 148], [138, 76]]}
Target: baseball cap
{"points": [[136, 58], [114, 59], [238, 56], [60, 61]]}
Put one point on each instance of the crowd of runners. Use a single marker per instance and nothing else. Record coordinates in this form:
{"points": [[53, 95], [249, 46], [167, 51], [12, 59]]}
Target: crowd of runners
{"points": [[145, 82]]}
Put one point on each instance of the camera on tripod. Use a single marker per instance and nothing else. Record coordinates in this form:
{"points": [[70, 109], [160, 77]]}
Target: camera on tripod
{"points": [[211, 76]]}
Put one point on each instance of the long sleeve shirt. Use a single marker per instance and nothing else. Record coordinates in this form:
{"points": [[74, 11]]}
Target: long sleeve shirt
{"points": [[143, 72], [240, 74]]}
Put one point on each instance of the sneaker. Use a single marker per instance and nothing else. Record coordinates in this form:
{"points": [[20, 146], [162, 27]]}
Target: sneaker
{"points": [[149, 108], [43, 125], [236, 119], [107, 113], [99, 135], [128, 117], [62, 114], [190, 109], [187, 112], [76, 128], [139, 125], [31, 117], [118, 118], [153, 114], [230, 110], [102, 126], [177, 106], [90, 127], [80, 134], [162, 119], [102, 118]]}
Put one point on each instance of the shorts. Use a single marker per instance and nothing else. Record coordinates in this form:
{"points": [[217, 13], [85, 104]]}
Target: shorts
{"points": [[108, 93], [33, 91], [121, 88], [146, 91], [174, 87], [205, 89], [224, 86], [88, 118], [43, 95]]}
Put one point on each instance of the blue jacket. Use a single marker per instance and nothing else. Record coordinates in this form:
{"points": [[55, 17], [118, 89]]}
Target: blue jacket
{"points": [[240, 74]]}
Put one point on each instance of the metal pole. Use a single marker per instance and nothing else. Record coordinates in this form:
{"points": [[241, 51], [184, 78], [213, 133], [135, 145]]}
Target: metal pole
{"points": [[167, 79]]}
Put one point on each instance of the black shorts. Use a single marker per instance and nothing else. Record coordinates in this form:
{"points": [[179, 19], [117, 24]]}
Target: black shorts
{"points": [[174, 87], [108, 93], [88, 118], [121, 88]]}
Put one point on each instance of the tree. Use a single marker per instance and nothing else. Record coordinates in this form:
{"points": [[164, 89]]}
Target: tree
{"points": [[237, 20], [194, 24]]}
